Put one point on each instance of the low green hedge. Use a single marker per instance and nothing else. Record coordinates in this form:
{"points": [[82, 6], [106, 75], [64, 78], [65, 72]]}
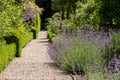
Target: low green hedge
{"points": [[20, 39], [7, 53]]}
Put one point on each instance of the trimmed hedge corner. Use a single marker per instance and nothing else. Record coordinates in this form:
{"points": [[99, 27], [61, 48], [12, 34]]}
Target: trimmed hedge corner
{"points": [[7, 53], [19, 39]]}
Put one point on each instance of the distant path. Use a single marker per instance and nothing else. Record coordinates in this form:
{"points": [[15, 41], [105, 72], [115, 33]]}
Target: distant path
{"points": [[34, 64]]}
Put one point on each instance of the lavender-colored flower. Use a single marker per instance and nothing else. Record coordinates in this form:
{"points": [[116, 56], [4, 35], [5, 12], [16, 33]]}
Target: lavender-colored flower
{"points": [[56, 44], [51, 52], [70, 40]]}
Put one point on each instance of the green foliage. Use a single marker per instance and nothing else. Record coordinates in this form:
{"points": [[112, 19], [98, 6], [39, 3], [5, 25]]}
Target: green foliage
{"points": [[26, 38], [7, 53], [5, 4], [65, 6], [109, 12], [87, 13], [95, 76], [102, 75], [32, 6], [56, 25], [113, 47], [9, 18], [97, 13], [11, 14], [53, 26], [51, 35], [12, 27]]}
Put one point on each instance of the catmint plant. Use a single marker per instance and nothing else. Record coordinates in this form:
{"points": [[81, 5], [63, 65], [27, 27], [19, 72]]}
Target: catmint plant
{"points": [[82, 47]]}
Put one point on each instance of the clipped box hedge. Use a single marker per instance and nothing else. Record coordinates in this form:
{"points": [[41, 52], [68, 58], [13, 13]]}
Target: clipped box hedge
{"points": [[19, 39], [37, 26], [7, 53]]}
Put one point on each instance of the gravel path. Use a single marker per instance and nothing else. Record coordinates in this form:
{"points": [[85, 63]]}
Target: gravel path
{"points": [[34, 64]]}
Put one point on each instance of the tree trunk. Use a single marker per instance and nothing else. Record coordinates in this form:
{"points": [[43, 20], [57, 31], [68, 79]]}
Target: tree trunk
{"points": [[68, 11], [74, 8], [63, 13]]}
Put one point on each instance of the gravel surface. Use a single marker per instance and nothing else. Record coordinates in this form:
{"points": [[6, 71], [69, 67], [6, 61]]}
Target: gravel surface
{"points": [[34, 64]]}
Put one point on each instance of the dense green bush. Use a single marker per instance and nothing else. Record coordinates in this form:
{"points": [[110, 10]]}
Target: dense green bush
{"points": [[7, 53]]}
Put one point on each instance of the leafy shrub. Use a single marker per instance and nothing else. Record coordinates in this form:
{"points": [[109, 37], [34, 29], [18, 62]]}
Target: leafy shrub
{"points": [[7, 53], [55, 26], [87, 13]]}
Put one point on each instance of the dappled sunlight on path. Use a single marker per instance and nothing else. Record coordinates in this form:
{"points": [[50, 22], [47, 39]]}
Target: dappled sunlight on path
{"points": [[34, 64]]}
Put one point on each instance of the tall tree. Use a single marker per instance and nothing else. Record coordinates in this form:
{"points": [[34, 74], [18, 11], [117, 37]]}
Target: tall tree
{"points": [[68, 6]]}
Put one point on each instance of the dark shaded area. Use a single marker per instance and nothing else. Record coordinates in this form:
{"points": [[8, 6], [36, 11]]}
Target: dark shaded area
{"points": [[113, 64], [34, 33], [46, 5]]}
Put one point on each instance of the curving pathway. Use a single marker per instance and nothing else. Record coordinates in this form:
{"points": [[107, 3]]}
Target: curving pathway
{"points": [[34, 64]]}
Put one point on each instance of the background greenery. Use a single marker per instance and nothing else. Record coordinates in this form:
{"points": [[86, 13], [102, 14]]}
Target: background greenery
{"points": [[17, 20]]}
